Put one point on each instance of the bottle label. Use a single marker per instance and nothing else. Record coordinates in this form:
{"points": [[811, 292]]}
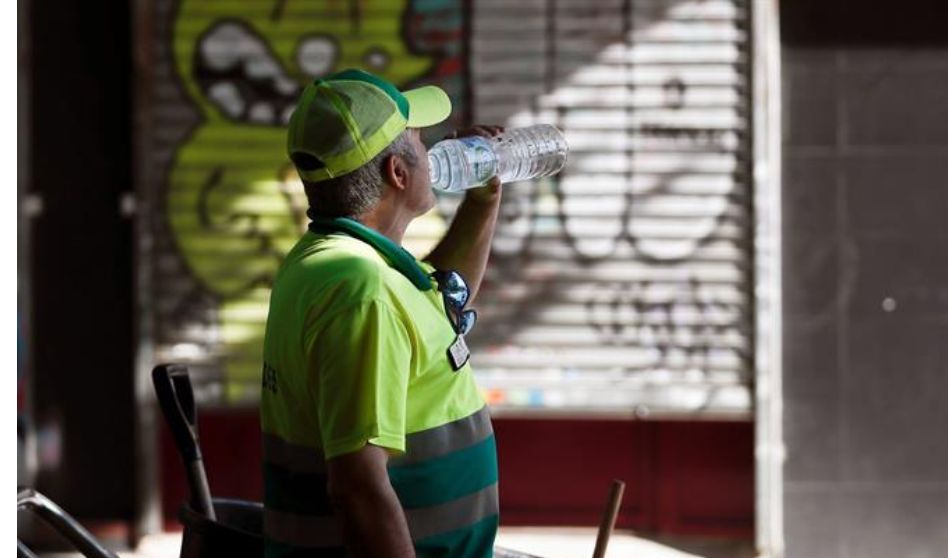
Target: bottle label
{"points": [[481, 157]]}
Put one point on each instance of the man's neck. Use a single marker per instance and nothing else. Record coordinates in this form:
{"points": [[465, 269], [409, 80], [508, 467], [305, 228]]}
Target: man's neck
{"points": [[388, 224]]}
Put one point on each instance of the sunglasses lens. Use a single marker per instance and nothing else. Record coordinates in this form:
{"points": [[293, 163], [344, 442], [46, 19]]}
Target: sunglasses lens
{"points": [[456, 294], [456, 298], [468, 319], [454, 288]]}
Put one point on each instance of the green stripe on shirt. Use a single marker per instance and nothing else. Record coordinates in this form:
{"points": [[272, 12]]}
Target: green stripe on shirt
{"points": [[446, 478]]}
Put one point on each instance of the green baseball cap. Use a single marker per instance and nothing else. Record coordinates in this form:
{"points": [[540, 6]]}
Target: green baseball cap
{"points": [[343, 121]]}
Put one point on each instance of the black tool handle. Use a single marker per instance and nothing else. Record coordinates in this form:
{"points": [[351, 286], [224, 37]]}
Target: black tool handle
{"points": [[176, 398]]}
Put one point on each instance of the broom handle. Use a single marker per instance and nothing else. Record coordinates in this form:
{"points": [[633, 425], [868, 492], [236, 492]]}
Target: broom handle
{"points": [[609, 518]]}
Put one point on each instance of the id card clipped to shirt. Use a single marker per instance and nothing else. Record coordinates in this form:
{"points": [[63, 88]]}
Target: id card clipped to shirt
{"points": [[458, 353]]}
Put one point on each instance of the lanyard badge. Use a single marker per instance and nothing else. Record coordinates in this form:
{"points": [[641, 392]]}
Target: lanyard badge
{"points": [[458, 353]]}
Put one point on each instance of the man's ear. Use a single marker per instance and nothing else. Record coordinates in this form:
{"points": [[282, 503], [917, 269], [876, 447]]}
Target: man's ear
{"points": [[395, 171]]}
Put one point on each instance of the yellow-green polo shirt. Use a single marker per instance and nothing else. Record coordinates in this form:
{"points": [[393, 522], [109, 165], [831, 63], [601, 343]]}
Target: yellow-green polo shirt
{"points": [[355, 354]]}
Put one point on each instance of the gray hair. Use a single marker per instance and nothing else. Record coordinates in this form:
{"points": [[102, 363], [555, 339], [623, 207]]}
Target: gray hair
{"points": [[354, 193]]}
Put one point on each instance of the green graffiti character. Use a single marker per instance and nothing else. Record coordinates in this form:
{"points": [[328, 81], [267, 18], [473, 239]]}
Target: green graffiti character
{"points": [[234, 205]]}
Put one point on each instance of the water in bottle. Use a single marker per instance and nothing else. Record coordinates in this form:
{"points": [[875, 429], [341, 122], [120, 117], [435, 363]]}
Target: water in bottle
{"points": [[519, 154]]}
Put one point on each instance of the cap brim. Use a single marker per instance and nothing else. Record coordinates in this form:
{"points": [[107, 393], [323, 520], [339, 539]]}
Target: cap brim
{"points": [[428, 105]]}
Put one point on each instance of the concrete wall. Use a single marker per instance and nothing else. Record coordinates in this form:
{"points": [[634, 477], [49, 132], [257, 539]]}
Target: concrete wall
{"points": [[866, 283]]}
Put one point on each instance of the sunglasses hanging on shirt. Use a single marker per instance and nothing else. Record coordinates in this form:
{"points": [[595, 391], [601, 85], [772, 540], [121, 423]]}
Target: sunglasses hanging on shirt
{"points": [[456, 293]]}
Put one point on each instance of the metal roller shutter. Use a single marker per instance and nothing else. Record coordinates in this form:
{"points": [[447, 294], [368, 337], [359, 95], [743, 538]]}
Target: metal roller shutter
{"points": [[622, 285]]}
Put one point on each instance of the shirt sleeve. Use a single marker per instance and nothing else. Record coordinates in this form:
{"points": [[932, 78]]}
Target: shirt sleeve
{"points": [[361, 361]]}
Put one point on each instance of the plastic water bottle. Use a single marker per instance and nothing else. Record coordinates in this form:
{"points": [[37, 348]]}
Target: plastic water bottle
{"points": [[520, 154]]}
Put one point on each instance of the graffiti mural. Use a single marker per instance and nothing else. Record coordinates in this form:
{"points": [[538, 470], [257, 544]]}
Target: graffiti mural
{"points": [[233, 205], [622, 283]]}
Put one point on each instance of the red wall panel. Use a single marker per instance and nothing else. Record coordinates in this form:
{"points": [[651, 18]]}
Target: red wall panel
{"points": [[558, 472], [706, 478], [694, 478]]}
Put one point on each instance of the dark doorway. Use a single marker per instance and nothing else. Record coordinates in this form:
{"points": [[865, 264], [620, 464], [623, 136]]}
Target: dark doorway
{"points": [[82, 329]]}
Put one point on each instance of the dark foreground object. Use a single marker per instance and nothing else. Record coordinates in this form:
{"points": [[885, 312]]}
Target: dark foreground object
{"points": [[212, 527], [28, 499]]}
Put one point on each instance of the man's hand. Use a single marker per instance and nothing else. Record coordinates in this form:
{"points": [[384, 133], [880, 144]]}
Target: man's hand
{"points": [[372, 520], [490, 192]]}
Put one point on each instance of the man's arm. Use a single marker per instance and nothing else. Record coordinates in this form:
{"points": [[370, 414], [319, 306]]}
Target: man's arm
{"points": [[372, 520], [466, 245]]}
